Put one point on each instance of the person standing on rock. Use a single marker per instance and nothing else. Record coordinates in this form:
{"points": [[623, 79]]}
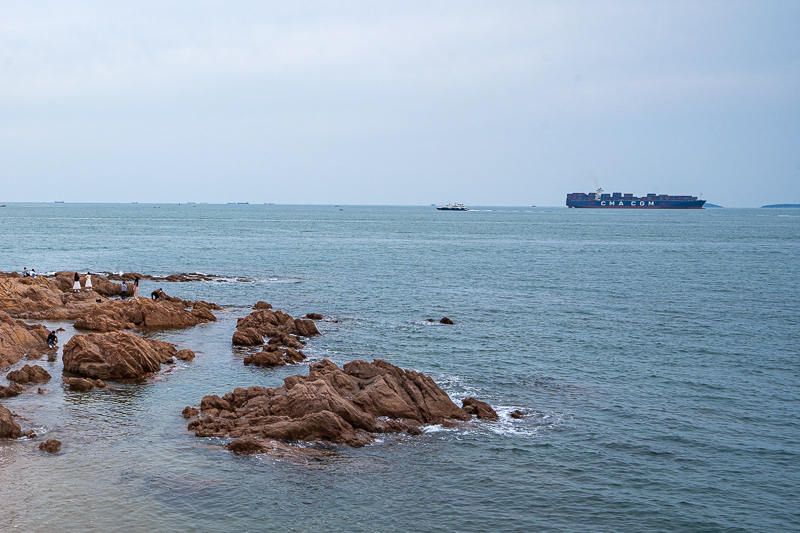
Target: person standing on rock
{"points": [[76, 287], [88, 283], [136, 289], [124, 290]]}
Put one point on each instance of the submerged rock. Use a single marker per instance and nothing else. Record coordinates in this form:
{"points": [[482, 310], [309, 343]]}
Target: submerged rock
{"points": [[50, 446], [517, 414], [446, 320], [79, 384], [9, 429], [29, 374], [345, 405], [273, 355], [116, 355]]}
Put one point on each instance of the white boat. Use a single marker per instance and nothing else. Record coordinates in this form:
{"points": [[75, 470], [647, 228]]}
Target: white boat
{"points": [[453, 207]]}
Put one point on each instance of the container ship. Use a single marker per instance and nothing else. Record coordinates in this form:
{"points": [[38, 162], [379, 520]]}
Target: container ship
{"points": [[602, 199]]}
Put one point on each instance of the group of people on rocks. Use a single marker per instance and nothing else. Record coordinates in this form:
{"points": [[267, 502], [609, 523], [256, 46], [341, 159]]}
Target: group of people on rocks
{"points": [[76, 287], [27, 274], [124, 292]]}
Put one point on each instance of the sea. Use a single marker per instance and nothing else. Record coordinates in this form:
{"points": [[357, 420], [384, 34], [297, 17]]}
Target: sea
{"points": [[655, 355]]}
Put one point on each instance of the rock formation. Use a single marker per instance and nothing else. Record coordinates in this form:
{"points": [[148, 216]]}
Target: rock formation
{"points": [[282, 331], [29, 374], [50, 446], [480, 409], [9, 429], [18, 340], [15, 389], [115, 315], [274, 355], [446, 320], [84, 384], [348, 405], [116, 355]]}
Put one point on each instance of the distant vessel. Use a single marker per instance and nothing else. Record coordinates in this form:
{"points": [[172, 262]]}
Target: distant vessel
{"points": [[602, 199], [453, 207], [59, 202], [782, 206]]}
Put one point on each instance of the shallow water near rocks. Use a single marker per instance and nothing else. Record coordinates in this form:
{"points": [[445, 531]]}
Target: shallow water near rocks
{"points": [[654, 354]]}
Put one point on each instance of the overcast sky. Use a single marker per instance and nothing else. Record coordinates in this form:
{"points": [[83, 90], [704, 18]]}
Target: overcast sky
{"points": [[485, 103]]}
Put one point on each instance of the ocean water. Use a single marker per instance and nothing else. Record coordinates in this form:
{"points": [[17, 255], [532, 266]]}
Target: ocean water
{"points": [[655, 354]]}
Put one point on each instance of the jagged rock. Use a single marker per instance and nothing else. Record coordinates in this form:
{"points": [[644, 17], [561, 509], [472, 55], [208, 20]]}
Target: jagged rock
{"points": [[15, 389], [347, 405], [50, 446], [9, 429], [31, 434], [314, 316], [185, 355], [116, 355], [113, 315], [262, 305], [29, 374], [189, 412], [480, 409], [18, 340], [280, 327], [517, 414], [446, 320]]}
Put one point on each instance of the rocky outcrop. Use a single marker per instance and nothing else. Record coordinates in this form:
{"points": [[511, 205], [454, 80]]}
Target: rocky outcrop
{"points": [[262, 305], [9, 429], [29, 374], [480, 409], [185, 355], [15, 389], [116, 355], [446, 320], [345, 405], [279, 327], [50, 446], [517, 414], [18, 340], [251, 445], [113, 315], [189, 412], [314, 316]]}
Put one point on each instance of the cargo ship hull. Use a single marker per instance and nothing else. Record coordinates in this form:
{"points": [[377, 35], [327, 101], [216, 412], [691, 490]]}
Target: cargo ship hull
{"points": [[601, 200]]}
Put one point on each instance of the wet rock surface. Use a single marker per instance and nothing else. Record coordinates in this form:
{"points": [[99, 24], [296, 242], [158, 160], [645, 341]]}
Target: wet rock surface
{"points": [[282, 331], [113, 315], [347, 405], [15, 389], [116, 355]]}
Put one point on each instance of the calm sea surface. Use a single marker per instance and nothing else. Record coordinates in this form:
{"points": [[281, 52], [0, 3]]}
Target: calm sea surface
{"points": [[655, 354]]}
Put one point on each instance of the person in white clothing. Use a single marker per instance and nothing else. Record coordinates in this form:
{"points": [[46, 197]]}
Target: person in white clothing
{"points": [[88, 283], [76, 287]]}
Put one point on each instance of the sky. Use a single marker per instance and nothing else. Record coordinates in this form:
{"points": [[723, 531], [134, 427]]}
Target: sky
{"points": [[399, 103]]}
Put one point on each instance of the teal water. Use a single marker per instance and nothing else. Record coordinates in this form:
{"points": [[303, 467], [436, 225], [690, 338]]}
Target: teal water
{"points": [[655, 354]]}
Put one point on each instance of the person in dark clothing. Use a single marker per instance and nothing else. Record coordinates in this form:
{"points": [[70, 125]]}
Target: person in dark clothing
{"points": [[124, 290], [52, 340]]}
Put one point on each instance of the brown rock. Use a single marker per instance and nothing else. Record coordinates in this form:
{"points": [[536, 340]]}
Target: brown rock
{"points": [[113, 315], [330, 404], [18, 340], [99, 383], [262, 305], [189, 412], [116, 355], [314, 316], [29, 374], [31, 434], [280, 327], [185, 355], [40, 391], [305, 327], [480, 409], [50, 446], [79, 384], [446, 320], [15, 389], [247, 337], [517, 414], [9, 429]]}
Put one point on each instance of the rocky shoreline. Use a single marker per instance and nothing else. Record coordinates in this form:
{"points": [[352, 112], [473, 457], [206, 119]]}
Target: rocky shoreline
{"points": [[351, 405]]}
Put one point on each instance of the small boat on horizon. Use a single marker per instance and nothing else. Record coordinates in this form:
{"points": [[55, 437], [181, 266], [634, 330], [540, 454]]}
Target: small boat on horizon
{"points": [[453, 207]]}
